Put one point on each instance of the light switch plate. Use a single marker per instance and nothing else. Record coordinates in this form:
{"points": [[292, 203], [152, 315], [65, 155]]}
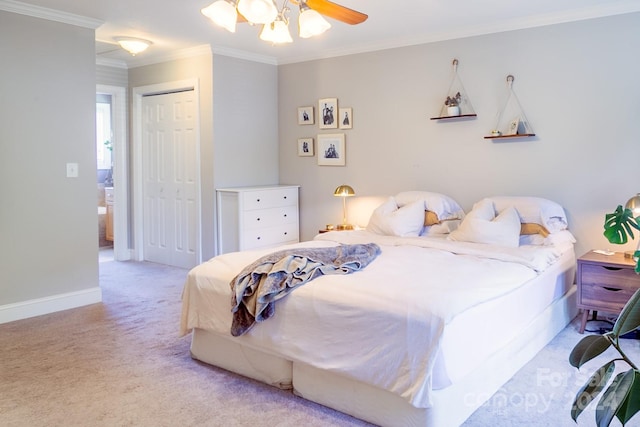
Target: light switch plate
{"points": [[72, 170]]}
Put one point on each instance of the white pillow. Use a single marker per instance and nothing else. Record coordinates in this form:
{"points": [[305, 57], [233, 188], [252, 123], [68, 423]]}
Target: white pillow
{"points": [[390, 220], [443, 206], [503, 230], [535, 209]]}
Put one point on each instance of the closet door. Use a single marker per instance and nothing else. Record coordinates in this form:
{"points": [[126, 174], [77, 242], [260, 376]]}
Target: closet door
{"points": [[170, 180]]}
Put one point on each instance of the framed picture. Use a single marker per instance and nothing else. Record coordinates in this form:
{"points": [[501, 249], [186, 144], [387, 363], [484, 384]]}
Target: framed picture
{"points": [[305, 116], [305, 147], [345, 118], [327, 110], [331, 149], [513, 127]]}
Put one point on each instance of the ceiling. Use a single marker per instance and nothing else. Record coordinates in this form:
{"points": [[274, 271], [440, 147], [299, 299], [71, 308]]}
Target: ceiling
{"points": [[177, 26]]}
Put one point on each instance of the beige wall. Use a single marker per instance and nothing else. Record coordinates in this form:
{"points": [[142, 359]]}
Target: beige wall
{"points": [[577, 83], [48, 223]]}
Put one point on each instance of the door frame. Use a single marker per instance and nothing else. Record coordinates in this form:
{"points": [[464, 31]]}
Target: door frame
{"points": [[119, 158], [137, 164]]}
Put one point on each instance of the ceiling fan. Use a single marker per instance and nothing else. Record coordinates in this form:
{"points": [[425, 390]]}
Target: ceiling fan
{"points": [[227, 13]]}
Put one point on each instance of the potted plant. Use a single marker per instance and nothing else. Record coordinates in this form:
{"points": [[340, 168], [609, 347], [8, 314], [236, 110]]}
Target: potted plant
{"points": [[621, 399], [453, 104]]}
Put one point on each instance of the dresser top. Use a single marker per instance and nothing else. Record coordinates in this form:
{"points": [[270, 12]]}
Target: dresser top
{"points": [[258, 187]]}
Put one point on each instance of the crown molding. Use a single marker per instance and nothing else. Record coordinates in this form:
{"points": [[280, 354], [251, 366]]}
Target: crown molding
{"points": [[240, 54], [49, 14]]}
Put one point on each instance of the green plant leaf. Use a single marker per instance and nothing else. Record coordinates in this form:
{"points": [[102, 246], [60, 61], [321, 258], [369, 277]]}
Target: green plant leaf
{"points": [[618, 225], [629, 317], [632, 404], [614, 398], [588, 348], [591, 389]]}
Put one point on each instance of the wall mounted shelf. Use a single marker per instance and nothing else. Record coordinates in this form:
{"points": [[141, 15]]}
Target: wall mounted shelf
{"points": [[520, 135], [456, 89], [516, 125]]}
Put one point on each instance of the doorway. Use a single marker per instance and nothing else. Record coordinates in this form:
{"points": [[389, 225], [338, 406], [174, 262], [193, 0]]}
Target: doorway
{"points": [[114, 154], [167, 174]]}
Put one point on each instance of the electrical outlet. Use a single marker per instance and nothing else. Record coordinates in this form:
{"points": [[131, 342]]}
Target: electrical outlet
{"points": [[72, 170]]}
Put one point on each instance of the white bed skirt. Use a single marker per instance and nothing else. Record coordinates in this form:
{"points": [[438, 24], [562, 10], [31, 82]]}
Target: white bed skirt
{"points": [[451, 405]]}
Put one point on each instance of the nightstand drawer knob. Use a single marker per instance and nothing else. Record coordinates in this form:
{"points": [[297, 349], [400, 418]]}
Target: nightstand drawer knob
{"points": [[612, 289], [612, 268]]}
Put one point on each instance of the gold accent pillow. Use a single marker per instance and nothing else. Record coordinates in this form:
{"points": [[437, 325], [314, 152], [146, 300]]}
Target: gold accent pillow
{"points": [[527, 228], [430, 218]]}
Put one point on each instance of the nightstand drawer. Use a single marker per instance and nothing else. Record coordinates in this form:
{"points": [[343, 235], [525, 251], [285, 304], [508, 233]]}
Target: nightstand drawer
{"points": [[605, 287]]}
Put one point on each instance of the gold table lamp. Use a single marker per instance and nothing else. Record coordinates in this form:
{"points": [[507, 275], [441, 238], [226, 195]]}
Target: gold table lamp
{"points": [[344, 191]]}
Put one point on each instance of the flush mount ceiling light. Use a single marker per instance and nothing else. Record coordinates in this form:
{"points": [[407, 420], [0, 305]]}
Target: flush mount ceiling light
{"points": [[226, 13], [133, 45]]}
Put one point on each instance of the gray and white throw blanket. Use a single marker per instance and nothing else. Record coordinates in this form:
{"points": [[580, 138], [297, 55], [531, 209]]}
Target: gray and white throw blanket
{"points": [[259, 285]]}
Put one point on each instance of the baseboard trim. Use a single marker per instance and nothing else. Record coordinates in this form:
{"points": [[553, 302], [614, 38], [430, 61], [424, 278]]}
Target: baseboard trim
{"points": [[52, 304]]}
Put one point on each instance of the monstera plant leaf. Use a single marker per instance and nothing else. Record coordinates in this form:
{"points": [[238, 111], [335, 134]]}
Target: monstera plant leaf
{"points": [[619, 225]]}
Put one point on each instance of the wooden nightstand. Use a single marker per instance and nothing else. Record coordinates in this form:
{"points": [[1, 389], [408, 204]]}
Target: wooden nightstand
{"points": [[605, 283]]}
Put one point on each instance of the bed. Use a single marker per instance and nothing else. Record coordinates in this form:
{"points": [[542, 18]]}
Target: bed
{"points": [[449, 310]]}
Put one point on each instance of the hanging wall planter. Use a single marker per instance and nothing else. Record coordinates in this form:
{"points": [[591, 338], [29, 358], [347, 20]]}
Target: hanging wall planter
{"points": [[456, 103]]}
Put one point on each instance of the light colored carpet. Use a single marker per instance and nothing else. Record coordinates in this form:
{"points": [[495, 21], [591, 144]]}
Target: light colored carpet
{"points": [[122, 363]]}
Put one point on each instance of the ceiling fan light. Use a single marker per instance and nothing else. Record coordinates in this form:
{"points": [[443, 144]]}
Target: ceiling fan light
{"points": [[258, 11], [222, 13], [133, 45], [277, 32], [311, 23]]}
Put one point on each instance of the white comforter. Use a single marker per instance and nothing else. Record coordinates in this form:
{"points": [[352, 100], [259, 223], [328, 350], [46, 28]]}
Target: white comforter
{"points": [[382, 325]]}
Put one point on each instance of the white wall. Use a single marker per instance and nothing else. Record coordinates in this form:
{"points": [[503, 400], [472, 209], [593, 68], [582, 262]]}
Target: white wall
{"points": [[577, 83], [48, 222]]}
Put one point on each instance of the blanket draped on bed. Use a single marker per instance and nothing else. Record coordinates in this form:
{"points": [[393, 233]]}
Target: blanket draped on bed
{"points": [[256, 288]]}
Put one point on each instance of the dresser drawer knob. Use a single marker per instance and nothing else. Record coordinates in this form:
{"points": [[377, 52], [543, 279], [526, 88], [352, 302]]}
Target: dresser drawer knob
{"points": [[285, 215], [285, 233], [257, 219], [258, 238], [257, 200], [285, 197]]}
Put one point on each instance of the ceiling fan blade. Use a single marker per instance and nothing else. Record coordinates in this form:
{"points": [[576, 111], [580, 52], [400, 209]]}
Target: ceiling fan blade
{"points": [[335, 11]]}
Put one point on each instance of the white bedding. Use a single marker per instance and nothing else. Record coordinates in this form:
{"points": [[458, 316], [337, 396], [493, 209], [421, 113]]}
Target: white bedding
{"points": [[382, 325]]}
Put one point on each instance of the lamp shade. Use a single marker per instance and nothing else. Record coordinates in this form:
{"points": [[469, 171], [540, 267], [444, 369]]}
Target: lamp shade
{"points": [[258, 11], [276, 32], [344, 191], [222, 13], [634, 204], [133, 45], [311, 23]]}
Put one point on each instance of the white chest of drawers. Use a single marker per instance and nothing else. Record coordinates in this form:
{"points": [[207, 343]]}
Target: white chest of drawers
{"points": [[256, 217]]}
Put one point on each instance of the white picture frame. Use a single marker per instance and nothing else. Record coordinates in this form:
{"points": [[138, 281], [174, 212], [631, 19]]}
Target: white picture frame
{"points": [[305, 147], [514, 124], [327, 110], [306, 116], [345, 118], [331, 149]]}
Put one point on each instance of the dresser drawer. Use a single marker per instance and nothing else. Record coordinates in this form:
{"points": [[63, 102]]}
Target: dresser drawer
{"points": [[265, 199], [269, 217], [607, 288], [269, 236]]}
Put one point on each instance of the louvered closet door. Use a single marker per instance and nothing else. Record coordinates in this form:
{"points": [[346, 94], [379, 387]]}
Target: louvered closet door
{"points": [[170, 185]]}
